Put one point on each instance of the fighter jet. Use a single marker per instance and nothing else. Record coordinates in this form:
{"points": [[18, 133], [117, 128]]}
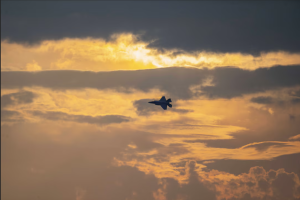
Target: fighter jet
{"points": [[163, 102]]}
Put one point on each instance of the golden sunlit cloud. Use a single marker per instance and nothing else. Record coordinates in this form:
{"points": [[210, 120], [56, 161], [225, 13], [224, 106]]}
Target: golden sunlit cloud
{"points": [[151, 162], [296, 137], [124, 52], [177, 135], [103, 102]]}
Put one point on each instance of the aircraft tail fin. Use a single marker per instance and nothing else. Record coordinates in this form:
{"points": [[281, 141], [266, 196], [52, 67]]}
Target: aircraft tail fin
{"points": [[163, 98], [169, 100], [170, 105]]}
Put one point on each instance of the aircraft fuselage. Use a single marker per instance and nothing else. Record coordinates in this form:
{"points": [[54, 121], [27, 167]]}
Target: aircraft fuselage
{"points": [[159, 103]]}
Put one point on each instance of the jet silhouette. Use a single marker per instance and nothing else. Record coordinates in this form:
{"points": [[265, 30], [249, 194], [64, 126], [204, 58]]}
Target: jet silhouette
{"points": [[163, 102]]}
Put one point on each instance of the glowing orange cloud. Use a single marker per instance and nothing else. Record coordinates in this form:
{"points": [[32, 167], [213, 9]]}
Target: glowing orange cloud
{"points": [[124, 52]]}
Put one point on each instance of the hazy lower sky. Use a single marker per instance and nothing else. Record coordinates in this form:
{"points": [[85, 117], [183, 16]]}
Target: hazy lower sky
{"points": [[77, 76]]}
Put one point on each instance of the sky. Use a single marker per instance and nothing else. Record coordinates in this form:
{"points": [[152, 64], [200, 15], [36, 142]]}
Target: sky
{"points": [[77, 76]]}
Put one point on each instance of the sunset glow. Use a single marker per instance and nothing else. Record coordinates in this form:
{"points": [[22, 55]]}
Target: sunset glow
{"points": [[76, 82], [125, 52]]}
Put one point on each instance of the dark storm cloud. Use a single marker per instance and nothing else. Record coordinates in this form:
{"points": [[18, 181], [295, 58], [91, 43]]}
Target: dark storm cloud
{"points": [[262, 100], [176, 81], [247, 26], [17, 98], [100, 120], [144, 108]]}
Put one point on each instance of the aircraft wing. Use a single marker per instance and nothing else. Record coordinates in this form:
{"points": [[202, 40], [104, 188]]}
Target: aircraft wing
{"points": [[164, 106], [163, 98]]}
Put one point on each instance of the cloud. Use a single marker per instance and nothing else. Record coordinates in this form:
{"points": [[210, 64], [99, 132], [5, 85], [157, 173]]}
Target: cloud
{"points": [[289, 162], [193, 189], [23, 97], [262, 126], [76, 159], [257, 184], [295, 93], [246, 138], [260, 80], [292, 117], [144, 108], [73, 157], [296, 137], [125, 51], [262, 100], [176, 81], [9, 115], [263, 146], [295, 100], [286, 185], [218, 27], [278, 101], [100, 120], [121, 52]]}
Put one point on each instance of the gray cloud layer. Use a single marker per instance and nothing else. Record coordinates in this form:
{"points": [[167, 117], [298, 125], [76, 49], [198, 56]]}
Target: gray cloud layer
{"points": [[290, 163], [17, 98], [8, 116], [251, 26], [173, 80], [100, 120], [262, 100], [233, 82], [228, 82]]}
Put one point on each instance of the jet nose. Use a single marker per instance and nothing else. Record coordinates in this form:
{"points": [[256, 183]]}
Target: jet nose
{"points": [[151, 102]]}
